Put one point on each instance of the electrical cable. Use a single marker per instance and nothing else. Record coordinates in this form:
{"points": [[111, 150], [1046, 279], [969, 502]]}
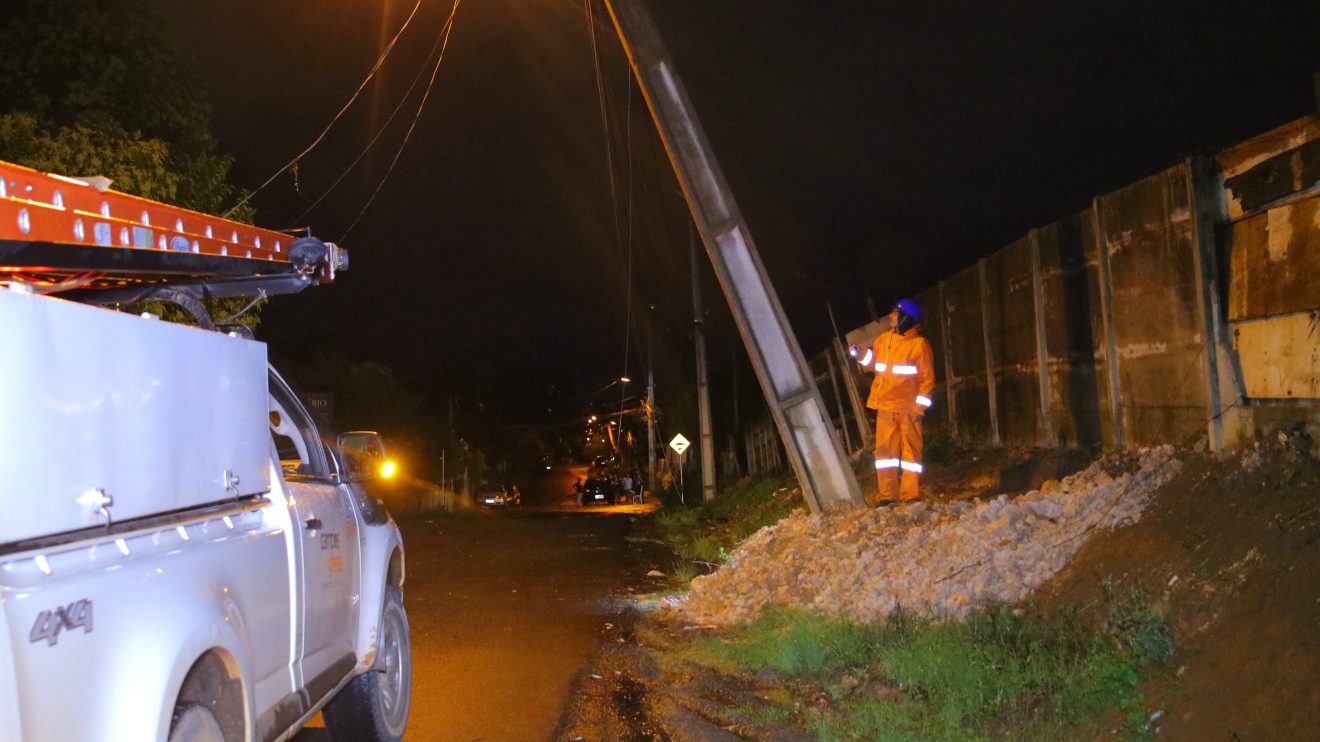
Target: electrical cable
{"points": [[379, 61], [448, 27], [628, 262], [604, 115], [404, 99], [602, 97]]}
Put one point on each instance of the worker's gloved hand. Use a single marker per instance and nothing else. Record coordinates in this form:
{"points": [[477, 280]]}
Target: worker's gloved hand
{"points": [[853, 350]]}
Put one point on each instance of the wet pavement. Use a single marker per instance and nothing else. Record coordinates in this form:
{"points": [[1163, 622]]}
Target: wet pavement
{"points": [[508, 607]]}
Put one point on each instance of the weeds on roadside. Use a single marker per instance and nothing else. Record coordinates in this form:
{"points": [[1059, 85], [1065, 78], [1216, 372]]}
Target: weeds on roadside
{"points": [[706, 533], [797, 644], [999, 673]]}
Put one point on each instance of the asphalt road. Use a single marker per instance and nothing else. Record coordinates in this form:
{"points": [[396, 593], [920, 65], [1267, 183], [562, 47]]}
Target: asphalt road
{"points": [[507, 607]]}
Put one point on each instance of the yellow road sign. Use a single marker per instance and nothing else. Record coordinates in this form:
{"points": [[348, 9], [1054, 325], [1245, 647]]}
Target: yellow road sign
{"points": [[680, 444]]}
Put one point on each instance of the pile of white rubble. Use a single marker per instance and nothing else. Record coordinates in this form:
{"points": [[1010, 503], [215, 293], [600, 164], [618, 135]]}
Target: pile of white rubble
{"points": [[925, 559]]}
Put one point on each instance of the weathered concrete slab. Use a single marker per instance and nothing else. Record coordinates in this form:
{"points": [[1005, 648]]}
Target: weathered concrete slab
{"points": [[962, 307], [1158, 333], [1011, 321], [1070, 285]]}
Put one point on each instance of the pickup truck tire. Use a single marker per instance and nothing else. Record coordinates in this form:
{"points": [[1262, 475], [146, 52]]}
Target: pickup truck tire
{"points": [[373, 707], [195, 723]]}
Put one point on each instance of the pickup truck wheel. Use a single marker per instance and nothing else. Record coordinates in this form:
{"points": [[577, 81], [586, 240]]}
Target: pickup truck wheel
{"points": [[374, 705], [195, 723]]}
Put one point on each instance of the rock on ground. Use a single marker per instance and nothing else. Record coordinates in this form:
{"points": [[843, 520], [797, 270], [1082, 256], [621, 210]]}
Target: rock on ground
{"points": [[925, 559]]}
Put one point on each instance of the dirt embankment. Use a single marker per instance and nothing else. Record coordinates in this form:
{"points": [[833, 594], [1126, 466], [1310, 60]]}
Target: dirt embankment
{"points": [[1229, 552]]}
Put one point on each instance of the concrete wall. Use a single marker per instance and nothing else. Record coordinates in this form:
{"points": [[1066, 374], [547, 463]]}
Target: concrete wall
{"points": [[1183, 306]]}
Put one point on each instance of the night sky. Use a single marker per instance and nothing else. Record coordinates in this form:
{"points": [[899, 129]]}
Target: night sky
{"points": [[873, 146]]}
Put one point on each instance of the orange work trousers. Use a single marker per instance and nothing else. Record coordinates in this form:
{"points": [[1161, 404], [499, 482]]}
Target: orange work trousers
{"points": [[897, 455]]}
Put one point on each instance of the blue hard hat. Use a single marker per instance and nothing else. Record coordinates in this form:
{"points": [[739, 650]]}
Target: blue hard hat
{"points": [[908, 307]]}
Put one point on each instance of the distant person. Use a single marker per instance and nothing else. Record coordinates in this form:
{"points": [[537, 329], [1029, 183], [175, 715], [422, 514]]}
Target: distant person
{"points": [[577, 491], [900, 394], [628, 485]]}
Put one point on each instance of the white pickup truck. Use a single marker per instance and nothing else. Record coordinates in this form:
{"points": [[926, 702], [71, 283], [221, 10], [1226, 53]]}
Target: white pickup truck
{"points": [[183, 555]]}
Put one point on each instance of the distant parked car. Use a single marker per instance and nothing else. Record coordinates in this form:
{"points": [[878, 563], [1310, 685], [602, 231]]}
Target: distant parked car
{"points": [[498, 496], [597, 491]]}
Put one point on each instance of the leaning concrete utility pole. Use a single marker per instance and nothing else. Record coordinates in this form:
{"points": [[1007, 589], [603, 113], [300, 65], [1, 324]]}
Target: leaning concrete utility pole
{"points": [[790, 390], [707, 442]]}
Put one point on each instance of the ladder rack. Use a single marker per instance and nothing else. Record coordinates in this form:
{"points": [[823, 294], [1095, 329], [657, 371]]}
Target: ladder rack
{"points": [[61, 231]]}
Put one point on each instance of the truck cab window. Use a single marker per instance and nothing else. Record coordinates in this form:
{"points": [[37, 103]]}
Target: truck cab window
{"points": [[300, 452]]}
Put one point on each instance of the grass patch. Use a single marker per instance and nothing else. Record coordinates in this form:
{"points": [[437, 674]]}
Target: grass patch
{"points": [[683, 571], [998, 674], [707, 532], [796, 644], [762, 713]]}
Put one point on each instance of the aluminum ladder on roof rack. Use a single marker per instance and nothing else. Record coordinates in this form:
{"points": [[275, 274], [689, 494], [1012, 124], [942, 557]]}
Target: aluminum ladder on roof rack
{"points": [[75, 232]]}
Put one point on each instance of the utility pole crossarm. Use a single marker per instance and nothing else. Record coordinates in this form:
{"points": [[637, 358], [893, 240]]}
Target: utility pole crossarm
{"points": [[795, 402]]}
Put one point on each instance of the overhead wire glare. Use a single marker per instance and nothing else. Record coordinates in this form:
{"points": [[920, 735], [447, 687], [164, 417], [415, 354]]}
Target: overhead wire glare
{"points": [[439, 39], [625, 249], [444, 44], [380, 60]]}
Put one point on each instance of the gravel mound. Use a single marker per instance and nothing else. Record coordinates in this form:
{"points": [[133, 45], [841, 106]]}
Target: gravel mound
{"points": [[926, 559]]}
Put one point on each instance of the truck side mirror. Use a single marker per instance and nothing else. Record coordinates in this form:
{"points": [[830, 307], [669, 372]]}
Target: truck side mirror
{"points": [[364, 456]]}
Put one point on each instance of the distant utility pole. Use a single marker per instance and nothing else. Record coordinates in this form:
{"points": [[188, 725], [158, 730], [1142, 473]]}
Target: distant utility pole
{"points": [[849, 380], [650, 403], [703, 383], [736, 437]]}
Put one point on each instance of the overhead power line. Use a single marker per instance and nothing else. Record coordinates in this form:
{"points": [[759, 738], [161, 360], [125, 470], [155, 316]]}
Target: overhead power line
{"points": [[374, 68], [444, 44], [439, 39]]}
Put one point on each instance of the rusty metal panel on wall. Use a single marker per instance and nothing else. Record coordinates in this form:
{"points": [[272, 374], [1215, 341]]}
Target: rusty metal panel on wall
{"points": [[1070, 284], [966, 343], [1275, 262], [1158, 333], [1269, 165], [1276, 178], [1280, 356], [1011, 331]]}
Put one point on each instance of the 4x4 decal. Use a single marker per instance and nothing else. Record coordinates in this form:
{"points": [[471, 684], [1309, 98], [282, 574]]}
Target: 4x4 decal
{"points": [[49, 624]]}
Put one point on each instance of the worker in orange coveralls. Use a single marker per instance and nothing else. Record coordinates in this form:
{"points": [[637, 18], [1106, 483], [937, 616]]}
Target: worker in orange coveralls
{"points": [[900, 395]]}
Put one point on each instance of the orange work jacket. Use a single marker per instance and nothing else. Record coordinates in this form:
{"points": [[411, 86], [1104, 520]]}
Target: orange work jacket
{"points": [[904, 372]]}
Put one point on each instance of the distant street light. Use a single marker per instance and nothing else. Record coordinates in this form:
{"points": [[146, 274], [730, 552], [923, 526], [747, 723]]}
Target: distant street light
{"points": [[624, 379]]}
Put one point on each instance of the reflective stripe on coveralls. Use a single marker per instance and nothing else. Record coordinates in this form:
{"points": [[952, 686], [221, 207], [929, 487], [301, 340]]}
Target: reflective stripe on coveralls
{"points": [[897, 455]]}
